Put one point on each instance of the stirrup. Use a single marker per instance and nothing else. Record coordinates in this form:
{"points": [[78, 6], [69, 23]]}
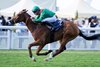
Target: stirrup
{"points": [[52, 29]]}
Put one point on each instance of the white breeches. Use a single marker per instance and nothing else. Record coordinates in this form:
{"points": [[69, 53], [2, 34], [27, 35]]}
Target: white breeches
{"points": [[50, 19]]}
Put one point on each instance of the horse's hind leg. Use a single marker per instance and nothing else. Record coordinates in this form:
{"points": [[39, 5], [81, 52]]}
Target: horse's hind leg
{"points": [[61, 49], [54, 53]]}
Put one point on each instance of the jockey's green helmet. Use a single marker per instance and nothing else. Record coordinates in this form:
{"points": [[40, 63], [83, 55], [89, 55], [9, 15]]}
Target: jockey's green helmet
{"points": [[35, 9]]}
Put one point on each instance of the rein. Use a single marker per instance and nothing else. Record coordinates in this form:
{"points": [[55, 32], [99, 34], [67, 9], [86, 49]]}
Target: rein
{"points": [[27, 21], [28, 17]]}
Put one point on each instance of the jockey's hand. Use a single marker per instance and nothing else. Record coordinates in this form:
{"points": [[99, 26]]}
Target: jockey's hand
{"points": [[36, 21], [44, 21]]}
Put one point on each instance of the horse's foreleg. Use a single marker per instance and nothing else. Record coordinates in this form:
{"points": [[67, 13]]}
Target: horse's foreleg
{"points": [[40, 48], [29, 48]]}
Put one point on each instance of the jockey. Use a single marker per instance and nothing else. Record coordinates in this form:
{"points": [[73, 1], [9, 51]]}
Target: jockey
{"points": [[46, 16]]}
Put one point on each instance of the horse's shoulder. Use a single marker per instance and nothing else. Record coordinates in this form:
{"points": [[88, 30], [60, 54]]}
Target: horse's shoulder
{"points": [[41, 24]]}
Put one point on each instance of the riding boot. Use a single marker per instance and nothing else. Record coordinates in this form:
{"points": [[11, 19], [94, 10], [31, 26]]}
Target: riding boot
{"points": [[56, 25], [50, 24]]}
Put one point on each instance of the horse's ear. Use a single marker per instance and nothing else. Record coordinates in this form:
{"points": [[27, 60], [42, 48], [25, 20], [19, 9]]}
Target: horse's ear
{"points": [[14, 14]]}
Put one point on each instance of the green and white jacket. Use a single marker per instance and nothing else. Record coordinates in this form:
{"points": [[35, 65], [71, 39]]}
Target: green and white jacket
{"points": [[45, 14]]}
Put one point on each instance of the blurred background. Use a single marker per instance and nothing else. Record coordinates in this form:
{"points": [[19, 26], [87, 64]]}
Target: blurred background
{"points": [[82, 12]]}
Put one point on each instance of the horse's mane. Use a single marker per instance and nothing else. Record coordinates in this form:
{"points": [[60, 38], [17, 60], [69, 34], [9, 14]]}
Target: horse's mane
{"points": [[40, 24], [37, 24]]}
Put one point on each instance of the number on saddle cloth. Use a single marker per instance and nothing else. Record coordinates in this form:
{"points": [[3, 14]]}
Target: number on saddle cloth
{"points": [[57, 25]]}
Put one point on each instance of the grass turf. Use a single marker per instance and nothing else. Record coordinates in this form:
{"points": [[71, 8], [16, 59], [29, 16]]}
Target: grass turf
{"points": [[19, 58]]}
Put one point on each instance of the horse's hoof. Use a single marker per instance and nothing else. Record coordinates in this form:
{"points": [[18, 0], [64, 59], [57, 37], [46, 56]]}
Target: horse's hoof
{"points": [[33, 59], [47, 59]]}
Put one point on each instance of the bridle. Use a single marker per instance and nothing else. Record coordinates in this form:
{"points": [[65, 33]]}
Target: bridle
{"points": [[26, 17]]}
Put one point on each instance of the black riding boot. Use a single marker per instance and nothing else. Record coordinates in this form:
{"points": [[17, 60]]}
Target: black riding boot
{"points": [[50, 24]]}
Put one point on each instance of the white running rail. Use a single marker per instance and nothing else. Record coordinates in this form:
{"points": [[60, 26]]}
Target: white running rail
{"points": [[11, 40]]}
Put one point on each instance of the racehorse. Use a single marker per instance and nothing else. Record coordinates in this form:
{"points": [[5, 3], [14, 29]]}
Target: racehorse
{"points": [[42, 34]]}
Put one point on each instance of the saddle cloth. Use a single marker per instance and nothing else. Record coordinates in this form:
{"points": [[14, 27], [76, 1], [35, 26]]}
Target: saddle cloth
{"points": [[56, 25]]}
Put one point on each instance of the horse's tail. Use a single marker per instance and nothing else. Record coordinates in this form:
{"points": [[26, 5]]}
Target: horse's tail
{"points": [[93, 37]]}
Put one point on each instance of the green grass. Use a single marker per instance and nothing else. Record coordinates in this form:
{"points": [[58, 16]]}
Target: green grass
{"points": [[19, 58]]}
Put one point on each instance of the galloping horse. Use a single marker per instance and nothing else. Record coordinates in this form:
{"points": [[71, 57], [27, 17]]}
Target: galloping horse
{"points": [[42, 34]]}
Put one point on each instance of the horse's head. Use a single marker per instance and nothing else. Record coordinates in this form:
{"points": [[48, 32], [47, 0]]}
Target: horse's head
{"points": [[21, 16]]}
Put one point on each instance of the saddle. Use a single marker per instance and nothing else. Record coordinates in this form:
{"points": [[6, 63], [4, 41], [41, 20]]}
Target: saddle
{"points": [[58, 25], [54, 26]]}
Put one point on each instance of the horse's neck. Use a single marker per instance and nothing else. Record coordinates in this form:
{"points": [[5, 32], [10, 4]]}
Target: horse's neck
{"points": [[31, 26]]}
